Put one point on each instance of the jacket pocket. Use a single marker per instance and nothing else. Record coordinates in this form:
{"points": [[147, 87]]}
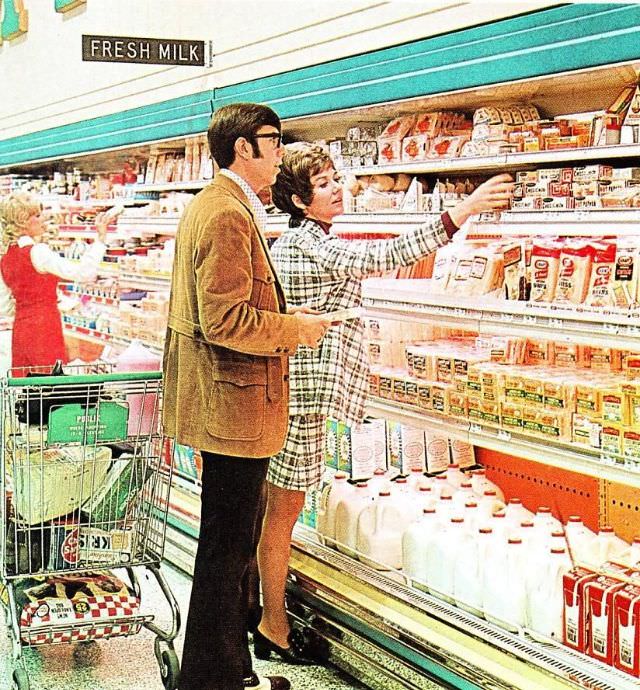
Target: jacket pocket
{"points": [[237, 407], [263, 295]]}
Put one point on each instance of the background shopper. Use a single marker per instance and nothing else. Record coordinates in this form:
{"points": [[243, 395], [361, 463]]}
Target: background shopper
{"points": [[323, 272], [226, 383], [29, 275]]}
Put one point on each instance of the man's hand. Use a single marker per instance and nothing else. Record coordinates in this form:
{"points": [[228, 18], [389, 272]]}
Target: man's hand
{"points": [[302, 309], [312, 328], [493, 195]]}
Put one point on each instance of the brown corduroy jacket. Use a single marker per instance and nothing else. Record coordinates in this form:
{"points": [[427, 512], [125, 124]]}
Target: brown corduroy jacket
{"points": [[226, 382]]}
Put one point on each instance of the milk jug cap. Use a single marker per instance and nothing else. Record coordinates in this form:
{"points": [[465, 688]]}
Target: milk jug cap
{"points": [[425, 489], [557, 533], [485, 530], [340, 475], [526, 523], [446, 497], [378, 472], [466, 485], [457, 520], [544, 509], [500, 514], [489, 492], [361, 485], [454, 466], [607, 529], [470, 504], [479, 471], [515, 540], [574, 518], [514, 501], [384, 493], [558, 549], [429, 510], [401, 480]]}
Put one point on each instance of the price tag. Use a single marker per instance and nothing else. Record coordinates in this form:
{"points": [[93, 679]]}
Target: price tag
{"points": [[529, 318], [504, 435], [556, 323], [474, 428], [610, 327], [507, 317]]}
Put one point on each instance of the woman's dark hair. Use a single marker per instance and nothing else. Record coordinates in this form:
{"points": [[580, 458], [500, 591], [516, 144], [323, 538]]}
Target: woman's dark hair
{"points": [[300, 162], [236, 120]]}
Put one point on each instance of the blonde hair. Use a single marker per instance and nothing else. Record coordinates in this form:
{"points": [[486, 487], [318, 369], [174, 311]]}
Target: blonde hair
{"points": [[15, 212]]}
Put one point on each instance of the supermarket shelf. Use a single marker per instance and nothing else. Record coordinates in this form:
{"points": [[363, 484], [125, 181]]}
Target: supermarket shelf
{"points": [[133, 226], [88, 334], [428, 632], [410, 300], [141, 281], [582, 223], [566, 456], [504, 162], [169, 186]]}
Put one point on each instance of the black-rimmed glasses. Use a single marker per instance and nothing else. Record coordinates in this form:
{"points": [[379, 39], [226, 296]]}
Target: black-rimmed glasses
{"points": [[276, 137]]}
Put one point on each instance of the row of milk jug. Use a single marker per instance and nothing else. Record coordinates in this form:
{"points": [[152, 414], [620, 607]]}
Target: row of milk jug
{"points": [[456, 538]]}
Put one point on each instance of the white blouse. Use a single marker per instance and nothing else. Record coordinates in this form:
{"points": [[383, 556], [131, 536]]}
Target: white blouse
{"points": [[45, 260]]}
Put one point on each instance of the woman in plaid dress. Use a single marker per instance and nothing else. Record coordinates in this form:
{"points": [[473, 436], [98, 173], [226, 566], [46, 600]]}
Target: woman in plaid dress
{"points": [[321, 272]]}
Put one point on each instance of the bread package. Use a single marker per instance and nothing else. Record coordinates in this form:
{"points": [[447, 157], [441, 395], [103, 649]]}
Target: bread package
{"points": [[575, 272], [600, 292], [545, 262]]}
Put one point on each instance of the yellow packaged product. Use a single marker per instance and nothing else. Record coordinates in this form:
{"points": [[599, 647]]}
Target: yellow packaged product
{"points": [[424, 395], [457, 403], [411, 391], [439, 400], [386, 383], [474, 380], [533, 386], [634, 410], [513, 390], [567, 354], [444, 368], [555, 424], [559, 393], [631, 364], [399, 386], [511, 415], [589, 397], [490, 412], [615, 406], [612, 439], [474, 407], [631, 444], [531, 423]]}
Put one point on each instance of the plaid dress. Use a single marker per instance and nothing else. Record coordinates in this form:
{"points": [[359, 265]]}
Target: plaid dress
{"points": [[324, 272]]}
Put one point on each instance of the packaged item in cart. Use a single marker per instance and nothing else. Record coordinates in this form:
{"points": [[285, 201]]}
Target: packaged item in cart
{"points": [[600, 291], [67, 601], [545, 262], [74, 545], [52, 482]]}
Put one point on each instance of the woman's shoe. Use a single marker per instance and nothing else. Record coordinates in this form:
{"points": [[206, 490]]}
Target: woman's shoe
{"points": [[293, 654]]}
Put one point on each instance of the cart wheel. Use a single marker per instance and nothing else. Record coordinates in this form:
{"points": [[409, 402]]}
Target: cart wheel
{"points": [[20, 680], [169, 669]]}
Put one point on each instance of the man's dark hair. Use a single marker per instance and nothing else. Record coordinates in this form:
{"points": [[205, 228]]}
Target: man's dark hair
{"points": [[236, 120]]}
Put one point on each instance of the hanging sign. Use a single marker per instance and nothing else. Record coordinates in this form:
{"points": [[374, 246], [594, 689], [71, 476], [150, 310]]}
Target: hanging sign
{"points": [[148, 51]]}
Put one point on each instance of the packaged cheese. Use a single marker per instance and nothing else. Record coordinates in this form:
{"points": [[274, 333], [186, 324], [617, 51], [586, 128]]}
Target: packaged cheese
{"points": [[600, 291], [515, 282], [625, 276], [575, 272], [545, 262]]}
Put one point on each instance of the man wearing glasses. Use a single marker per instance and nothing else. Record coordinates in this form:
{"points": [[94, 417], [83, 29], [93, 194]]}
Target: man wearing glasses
{"points": [[226, 383]]}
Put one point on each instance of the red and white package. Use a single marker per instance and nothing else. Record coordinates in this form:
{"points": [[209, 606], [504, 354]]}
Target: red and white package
{"points": [[600, 291], [574, 272], [545, 264]]}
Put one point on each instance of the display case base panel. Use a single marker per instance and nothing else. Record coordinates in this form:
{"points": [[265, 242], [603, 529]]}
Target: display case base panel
{"points": [[421, 639]]}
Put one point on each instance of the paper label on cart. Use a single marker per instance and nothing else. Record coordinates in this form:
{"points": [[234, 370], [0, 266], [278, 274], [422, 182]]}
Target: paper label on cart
{"points": [[53, 611], [99, 546], [80, 424], [340, 315]]}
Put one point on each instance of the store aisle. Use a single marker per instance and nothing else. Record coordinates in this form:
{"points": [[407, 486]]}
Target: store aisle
{"points": [[129, 663]]}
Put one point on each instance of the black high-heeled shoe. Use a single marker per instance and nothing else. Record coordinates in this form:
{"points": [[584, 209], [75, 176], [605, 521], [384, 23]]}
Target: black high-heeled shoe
{"points": [[293, 654]]}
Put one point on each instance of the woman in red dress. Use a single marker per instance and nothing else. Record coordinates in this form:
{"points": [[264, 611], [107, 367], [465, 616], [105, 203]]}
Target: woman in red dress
{"points": [[29, 274]]}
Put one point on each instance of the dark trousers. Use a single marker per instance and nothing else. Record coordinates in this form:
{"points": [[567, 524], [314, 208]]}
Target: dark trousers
{"points": [[216, 649]]}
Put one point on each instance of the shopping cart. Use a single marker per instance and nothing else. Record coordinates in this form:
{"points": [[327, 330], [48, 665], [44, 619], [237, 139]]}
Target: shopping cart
{"points": [[84, 489]]}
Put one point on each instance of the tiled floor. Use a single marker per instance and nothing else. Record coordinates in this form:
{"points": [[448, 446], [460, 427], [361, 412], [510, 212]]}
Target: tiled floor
{"points": [[129, 663]]}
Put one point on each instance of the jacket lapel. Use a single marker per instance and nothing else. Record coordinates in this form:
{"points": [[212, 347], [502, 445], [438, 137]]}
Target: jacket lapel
{"points": [[232, 188]]}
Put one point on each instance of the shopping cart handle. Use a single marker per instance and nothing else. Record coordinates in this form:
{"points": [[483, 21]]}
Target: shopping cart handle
{"points": [[86, 379]]}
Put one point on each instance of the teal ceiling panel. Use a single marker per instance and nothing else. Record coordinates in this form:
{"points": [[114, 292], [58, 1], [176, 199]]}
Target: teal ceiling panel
{"points": [[182, 116], [547, 42], [560, 39]]}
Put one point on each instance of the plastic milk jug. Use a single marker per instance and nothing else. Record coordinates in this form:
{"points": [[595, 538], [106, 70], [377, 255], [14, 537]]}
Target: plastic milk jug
{"points": [[544, 518], [488, 505], [545, 603], [455, 476], [504, 591], [331, 496], [380, 528], [516, 513], [580, 538], [347, 514], [416, 542], [606, 547], [469, 572], [442, 558]]}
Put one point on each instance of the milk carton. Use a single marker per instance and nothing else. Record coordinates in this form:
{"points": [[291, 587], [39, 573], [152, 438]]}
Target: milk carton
{"points": [[356, 453], [405, 447], [575, 631], [331, 444], [626, 629]]}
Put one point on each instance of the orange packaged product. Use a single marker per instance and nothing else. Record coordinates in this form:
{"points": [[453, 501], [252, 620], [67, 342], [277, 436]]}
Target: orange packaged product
{"points": [[538, 351], [428, 124], [414, 147]]}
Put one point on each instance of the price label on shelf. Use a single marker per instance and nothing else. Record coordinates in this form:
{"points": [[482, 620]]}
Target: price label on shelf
{"points": [[475, 428], [530, 319], [556, 323], [609, 327], [504, 435], [507, 318]]}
